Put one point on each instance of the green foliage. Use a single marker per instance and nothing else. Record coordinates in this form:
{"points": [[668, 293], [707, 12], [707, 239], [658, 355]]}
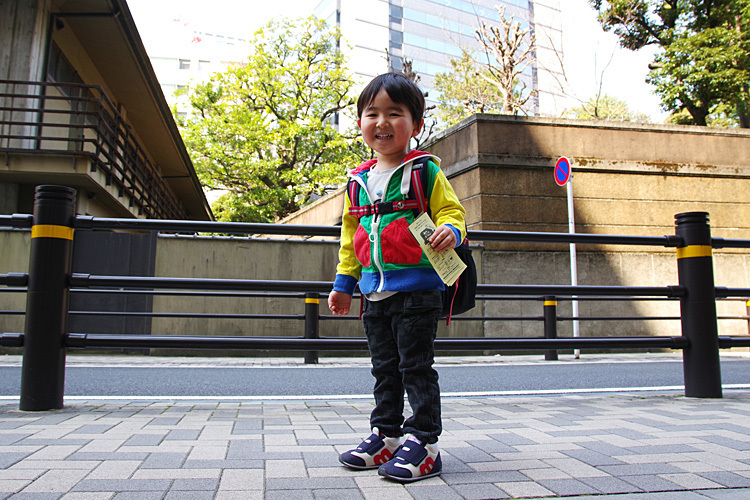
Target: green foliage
{"points": [[721, 116], [609, 108], [703, 66], [264, 132], [699, 72]]}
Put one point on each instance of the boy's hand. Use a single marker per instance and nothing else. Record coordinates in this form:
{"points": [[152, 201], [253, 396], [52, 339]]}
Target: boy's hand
{"points": [[443, 239], [339, 303]]}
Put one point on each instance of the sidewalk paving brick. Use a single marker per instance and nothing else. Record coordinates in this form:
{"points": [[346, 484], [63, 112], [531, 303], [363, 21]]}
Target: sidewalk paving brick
{"points": [[616, 446], [493, 448]]}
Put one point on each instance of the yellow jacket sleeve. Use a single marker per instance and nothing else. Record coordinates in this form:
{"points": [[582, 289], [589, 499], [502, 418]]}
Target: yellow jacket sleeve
{"points": [[348, 263], [445, 207]]}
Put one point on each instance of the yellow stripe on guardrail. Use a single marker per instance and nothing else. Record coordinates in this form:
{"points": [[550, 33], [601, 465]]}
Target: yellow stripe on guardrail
{"points": [[550, 302], [694, 251], [312, 301], [50, 231]]}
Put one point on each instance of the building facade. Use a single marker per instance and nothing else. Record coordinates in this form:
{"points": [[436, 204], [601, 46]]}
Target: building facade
{"points": [[183, 56]]}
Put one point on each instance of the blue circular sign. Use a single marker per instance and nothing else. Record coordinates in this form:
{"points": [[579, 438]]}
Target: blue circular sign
{"points": [[562, 171]]}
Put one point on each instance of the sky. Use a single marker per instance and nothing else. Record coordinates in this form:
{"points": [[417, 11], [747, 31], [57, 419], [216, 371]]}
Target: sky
{"points": [[591, 55]]}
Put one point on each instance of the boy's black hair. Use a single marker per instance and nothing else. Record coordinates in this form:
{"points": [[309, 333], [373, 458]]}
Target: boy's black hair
{"points": [[400, 89]]}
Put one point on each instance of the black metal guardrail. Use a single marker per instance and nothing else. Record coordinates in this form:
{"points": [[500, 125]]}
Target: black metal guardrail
{"points": [[50, 281]]}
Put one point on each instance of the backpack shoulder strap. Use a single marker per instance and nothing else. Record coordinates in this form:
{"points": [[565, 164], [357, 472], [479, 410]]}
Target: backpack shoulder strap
{"points": [[417, 199], [418, 188], [353, 187]]}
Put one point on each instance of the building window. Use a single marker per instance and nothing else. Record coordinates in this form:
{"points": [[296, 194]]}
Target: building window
{"points": [[59, 68], [184, 63]]}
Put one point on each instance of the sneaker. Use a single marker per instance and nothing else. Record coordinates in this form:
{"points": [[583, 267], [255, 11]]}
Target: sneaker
{"points": [[412, 462], [371, 453]]}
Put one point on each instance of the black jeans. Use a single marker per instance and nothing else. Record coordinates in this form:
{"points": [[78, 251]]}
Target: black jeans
{"points": [[401, 334]]}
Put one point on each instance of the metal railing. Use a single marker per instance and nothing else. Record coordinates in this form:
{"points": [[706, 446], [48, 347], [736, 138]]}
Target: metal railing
{"points": [[72, 119], [50, 280]]}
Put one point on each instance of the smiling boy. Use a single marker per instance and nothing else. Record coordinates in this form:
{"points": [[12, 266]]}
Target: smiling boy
{"points": [[402, 292]]}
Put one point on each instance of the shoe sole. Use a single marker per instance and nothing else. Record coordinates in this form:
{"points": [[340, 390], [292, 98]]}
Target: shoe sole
{"points": [[357, 467], [409, 479]]}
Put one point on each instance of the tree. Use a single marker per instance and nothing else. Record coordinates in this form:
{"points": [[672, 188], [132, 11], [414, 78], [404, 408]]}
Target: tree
{"points": [[265, 131], [604, 107], [512, 49], [704, 63], [464, 92], [494, 86]]}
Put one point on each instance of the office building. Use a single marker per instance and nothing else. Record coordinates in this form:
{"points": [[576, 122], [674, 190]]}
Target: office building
{"points": [[183, 55]]}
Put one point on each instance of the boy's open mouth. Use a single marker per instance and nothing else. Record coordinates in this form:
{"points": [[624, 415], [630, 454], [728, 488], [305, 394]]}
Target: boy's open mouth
{"points": [[383, 136]]}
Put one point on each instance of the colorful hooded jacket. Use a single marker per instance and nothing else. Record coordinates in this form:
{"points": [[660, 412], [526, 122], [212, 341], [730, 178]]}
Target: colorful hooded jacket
{"points": [[378, 249]]}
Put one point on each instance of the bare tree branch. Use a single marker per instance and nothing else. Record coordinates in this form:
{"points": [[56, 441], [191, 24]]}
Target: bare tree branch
{"points": [[512, 49]]}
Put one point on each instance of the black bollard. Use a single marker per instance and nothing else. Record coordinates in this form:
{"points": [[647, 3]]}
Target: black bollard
{"points": [[312, 315], [43, 371], [701, 363], [550, 325]]}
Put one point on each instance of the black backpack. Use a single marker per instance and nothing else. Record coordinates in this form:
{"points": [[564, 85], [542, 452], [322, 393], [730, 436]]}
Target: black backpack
{"points": [[460, 296]]}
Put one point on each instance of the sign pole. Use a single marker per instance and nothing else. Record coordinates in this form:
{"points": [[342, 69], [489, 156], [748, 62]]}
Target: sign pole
{"points": [[573, 263]]}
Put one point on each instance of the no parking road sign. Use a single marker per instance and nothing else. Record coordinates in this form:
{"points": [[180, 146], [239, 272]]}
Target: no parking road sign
{"points": [[562, 171]]}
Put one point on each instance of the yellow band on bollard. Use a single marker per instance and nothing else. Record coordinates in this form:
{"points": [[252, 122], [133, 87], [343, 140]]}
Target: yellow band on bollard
{"points": [[694, 251], [312, 301], [49, 231], [550, 302]]}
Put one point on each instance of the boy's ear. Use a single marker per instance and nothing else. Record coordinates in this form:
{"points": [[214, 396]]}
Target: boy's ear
{"points": [[418, 128], [359, 123]]}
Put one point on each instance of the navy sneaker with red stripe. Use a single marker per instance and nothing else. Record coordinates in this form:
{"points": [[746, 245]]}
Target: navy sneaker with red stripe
{"points": [[371, 453], [412, 462]]}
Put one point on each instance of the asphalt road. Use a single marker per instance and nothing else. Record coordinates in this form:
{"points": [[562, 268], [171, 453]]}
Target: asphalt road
{"points": [[322, 381]]}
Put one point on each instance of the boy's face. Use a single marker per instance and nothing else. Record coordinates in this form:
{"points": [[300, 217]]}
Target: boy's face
{"points": [[387, 127]]}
